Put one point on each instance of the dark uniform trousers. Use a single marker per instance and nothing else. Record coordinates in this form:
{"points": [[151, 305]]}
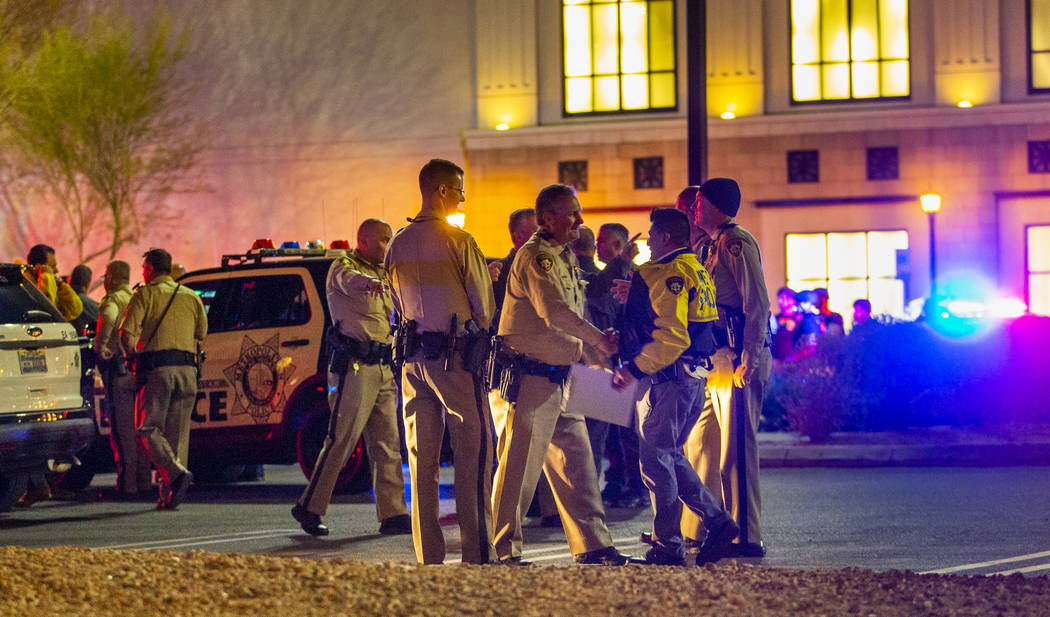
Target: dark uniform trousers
{"points": [[436, 398], [666, 412], [163, 410], [365, 401], [541, 437], [133, 464], [723, 437]]}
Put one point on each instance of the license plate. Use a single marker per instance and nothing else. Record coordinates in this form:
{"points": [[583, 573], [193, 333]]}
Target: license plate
{"points": [[32, 361]]}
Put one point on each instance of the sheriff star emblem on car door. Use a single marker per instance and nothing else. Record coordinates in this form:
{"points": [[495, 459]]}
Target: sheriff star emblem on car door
{"points": [[259, 377]]}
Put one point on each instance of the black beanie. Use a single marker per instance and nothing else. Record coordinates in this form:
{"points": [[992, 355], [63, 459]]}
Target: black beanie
{"points": [[724, 193]]}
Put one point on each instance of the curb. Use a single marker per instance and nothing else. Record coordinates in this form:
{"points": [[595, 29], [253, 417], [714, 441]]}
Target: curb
{"points": [[778, 455]]}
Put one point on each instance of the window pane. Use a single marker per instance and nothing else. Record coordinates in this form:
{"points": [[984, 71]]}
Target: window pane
{"points": [[807, 256], [847, 256], [605, 44], [1041, 70], [1039, 294], [805, 284], [895, 78], [1039, 248], [834, 31], [864, 31], [661, 44], [886, 296], [805, 38], [893, 28], [836, 81], [865, 80], [608, 90], [577, 41], [578, 96], [266, 302], [663, 90], [633, 32], [1040, 20], [635, 92], [882, 252], [805, 83], [841, 295]]}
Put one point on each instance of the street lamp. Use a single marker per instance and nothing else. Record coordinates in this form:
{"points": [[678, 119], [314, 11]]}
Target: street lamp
{"points": [[931, 204]]}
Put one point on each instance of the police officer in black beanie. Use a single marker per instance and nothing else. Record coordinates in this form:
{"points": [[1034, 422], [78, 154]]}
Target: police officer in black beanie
{"points": [[723, 446]]}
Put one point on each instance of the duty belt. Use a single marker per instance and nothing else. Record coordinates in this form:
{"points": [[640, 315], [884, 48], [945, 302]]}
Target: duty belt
{"points": [[365, 352], [149, 360], [671, 372]]}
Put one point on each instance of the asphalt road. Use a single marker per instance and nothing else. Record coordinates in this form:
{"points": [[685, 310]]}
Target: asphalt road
{"points": [[950, 520]]}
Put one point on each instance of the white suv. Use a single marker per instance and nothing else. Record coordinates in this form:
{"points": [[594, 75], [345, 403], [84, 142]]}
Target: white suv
{"points": [[43, 416]]}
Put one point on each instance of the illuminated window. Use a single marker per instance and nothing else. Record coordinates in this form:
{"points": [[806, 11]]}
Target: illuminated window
{"points": [[1039, 45], [619, 55], [849, 49], [1038, 266], [850, 266]]}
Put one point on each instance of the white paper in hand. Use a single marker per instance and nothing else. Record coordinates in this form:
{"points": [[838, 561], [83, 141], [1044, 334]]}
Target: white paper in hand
{"points": [[593, 396]]}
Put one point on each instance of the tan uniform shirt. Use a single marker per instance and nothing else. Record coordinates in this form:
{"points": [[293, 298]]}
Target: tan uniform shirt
{"points": [[735, 264], [184, 325], [360, 314], [107, 333], [543, 310], [436, 270]]}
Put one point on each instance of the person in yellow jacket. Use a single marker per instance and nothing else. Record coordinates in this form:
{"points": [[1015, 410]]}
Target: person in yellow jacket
{"points": [[43, 271], [666, 344]]}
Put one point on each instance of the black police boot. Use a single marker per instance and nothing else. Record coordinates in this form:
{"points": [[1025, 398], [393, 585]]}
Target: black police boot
{"points": [[719, 539], [310, 522]]}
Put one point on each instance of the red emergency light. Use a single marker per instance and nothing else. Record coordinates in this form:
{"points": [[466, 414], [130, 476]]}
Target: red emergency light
{"points": [[340, 244], [262, 243]]}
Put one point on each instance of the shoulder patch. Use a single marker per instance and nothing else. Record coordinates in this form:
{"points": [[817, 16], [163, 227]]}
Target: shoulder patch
{"points": [[675, 284], [545, 262], [735, 246]]}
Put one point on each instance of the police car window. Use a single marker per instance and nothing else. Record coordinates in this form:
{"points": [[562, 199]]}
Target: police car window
{"points": [[264, 302], [20, 302], [207, 291]]}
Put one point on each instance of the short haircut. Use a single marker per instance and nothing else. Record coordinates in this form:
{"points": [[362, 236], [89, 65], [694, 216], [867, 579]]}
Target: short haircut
{"points": [[672, 222], [686, 199], [38, 254], [618, 229], [159, 260], [585, 243], [437, 172], [863, 303], [369, 224], [120, 270], [80, 277], [786, 291], [518, 217], [549, 196]]}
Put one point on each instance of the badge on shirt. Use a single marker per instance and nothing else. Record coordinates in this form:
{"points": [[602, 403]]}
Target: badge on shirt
{"points": [[545, 262], [675, 284], [735, 247]]}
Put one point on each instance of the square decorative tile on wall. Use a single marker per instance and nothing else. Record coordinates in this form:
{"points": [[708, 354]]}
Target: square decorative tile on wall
{"points": [[649, 172], [803, 166], [573, 173], [883, 163], [1039, 157]]}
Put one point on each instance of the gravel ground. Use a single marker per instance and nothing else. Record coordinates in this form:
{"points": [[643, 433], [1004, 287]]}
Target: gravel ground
{"points": [[76, 581]]}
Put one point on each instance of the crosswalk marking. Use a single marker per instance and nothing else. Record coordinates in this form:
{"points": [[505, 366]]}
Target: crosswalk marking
{"points": [[994, 562]]}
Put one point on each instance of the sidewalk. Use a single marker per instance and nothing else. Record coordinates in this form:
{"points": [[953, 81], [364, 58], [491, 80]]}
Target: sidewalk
{"points": [[918, 447]]}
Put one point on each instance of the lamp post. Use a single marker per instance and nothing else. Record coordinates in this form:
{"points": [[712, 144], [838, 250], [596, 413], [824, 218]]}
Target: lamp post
{"points": [[931, 204]]}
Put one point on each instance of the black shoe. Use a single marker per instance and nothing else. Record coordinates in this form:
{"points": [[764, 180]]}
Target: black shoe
{"points": [[310, 522], [179, 487], [646, 538], [660, 556], [513, 561], [749, 549], [607, 556], [397, 525], [692, 546], [716, 544]]}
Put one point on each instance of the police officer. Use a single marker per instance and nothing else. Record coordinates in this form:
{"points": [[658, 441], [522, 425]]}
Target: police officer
{"points": [[544, 332], [667, 343], [442, 291], [723, 445], [133, 466], [361, 390], [162, 326]]}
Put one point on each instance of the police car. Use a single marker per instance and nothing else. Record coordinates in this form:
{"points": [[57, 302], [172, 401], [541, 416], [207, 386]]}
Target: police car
{"points": [[263, 395], [43, 416]]}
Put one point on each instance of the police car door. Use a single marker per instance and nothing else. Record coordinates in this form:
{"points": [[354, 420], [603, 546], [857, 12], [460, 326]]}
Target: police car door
{"points": [[264, 333]]}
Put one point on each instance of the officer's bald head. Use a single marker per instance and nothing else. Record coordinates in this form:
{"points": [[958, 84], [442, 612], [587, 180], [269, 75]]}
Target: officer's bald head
{"points": [[373, 236]]}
